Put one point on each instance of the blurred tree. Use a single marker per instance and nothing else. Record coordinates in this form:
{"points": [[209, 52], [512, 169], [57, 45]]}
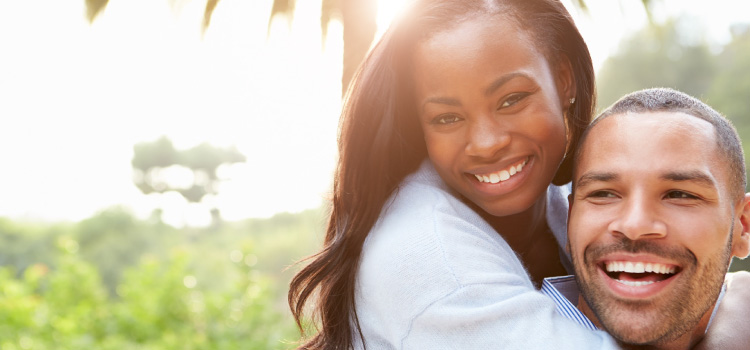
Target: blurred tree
{"points": [[154, 162], [357, 16], [666, 55], [114, 240], [730, 92], [151, 159]]}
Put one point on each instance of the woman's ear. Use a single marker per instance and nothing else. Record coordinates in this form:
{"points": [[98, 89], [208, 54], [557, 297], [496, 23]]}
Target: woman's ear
{"points": [[741, 235], [566, 83]]}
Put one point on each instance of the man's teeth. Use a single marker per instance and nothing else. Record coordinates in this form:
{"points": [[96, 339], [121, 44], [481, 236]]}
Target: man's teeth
{"points": [[639, 267], [635, 283], [501, 175]]}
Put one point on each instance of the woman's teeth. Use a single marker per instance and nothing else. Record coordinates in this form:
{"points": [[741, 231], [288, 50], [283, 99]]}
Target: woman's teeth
{"points": [[501, 175]]}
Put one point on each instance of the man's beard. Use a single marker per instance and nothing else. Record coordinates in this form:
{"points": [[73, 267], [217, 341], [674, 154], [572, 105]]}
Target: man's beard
{"points": [[670, 315]]}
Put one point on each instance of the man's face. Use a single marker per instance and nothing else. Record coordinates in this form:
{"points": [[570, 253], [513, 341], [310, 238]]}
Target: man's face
{"points": [[651, 223]]}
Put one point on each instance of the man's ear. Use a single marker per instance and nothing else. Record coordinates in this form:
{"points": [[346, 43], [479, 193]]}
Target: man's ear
{"points": [[741, 235]]}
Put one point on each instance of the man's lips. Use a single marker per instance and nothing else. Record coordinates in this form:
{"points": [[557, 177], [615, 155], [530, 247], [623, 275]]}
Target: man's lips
{"points": [[634, 277], [638, 273]]}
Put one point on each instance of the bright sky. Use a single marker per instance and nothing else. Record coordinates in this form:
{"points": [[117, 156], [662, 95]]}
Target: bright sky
{"points": [[75, 98]]}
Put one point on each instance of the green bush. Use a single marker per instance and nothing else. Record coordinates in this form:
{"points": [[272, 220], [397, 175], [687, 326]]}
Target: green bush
{"points": [[160, 288]]}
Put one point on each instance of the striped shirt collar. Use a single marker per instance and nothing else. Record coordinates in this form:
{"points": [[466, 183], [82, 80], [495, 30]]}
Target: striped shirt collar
{"points": [[564, 292]]}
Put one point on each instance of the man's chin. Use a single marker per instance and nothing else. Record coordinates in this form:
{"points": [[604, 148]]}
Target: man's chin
{"points": [[641, 325]]}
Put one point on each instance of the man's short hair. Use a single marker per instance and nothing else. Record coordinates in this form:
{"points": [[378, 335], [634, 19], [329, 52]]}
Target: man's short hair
{"points": [[669, 100]]}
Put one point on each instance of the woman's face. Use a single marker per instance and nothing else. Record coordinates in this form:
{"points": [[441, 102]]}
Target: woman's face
{"points": [[491, 113]]}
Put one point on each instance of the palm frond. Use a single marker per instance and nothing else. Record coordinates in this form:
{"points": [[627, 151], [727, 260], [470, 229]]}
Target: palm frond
{"points": [[282, 7], [329, 9], [210, 6], [94, 7]]}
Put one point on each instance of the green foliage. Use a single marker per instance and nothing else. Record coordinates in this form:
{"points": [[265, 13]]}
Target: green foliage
{"points": [[658, 56], [731, 87], [669, 55], [158, 288]]}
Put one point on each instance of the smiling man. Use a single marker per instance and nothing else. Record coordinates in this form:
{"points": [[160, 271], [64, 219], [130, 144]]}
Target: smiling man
{"points": [[658, 210]]}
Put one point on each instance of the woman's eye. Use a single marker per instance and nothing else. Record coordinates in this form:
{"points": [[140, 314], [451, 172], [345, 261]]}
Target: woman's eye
{"points": [[446, 119], [680, 195], [513, 99]]}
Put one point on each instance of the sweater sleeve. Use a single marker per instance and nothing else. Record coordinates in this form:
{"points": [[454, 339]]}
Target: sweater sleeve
{"points": [[434, 275], [499, 316]]}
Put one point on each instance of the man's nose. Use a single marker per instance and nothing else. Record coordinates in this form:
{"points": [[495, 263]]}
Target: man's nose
{"points": [[639, 219]]}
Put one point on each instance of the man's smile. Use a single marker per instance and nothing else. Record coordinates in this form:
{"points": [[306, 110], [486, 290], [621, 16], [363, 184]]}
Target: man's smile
{"points": [[638, 273]]}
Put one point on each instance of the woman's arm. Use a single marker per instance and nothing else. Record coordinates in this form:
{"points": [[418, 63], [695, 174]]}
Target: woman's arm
{"points": [[434, 275], [729, 329]]}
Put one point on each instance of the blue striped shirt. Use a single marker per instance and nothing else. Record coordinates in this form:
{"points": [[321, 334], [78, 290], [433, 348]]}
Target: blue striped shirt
{"points": [[564, 290]]}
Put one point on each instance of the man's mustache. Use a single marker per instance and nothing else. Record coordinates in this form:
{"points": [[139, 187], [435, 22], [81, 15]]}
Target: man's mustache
{"points": [[641, 246]]}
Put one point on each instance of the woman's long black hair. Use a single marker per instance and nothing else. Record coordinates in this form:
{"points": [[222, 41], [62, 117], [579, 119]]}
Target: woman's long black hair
{"points": [[380, 142]]}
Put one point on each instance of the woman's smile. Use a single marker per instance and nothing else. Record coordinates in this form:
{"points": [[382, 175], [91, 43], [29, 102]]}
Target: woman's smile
{"points": [[502, 175]]}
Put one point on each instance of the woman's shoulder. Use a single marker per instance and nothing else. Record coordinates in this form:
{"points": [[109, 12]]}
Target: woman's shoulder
{"points": [[425, 223], [426, 245], [427, 236]]}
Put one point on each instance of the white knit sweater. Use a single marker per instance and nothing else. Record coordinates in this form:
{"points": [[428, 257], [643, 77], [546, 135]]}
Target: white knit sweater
{"points": [[435, 275]]}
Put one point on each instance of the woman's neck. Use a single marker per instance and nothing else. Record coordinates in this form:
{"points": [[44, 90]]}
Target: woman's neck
{"points": [[519, 230], [529, 236]]}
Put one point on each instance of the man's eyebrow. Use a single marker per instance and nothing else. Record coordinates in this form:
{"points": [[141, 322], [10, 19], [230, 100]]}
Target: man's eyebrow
{"points": [[696, 176], [502, 80], [590, 177]]}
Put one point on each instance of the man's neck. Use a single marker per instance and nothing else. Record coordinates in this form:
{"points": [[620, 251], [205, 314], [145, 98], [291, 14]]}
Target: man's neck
{"points": [[684, 342]]}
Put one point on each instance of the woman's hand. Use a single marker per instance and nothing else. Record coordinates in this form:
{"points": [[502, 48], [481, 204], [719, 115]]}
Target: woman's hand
{"points": [[730, 328]]}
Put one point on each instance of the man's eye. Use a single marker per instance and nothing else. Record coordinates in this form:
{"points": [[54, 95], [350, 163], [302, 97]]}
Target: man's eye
{"points": [[602, 194], [680, 195], [513, 99], [446, 119]]}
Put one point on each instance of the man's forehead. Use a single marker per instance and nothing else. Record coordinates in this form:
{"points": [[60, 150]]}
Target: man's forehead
{"points": [[649, 141], [645, 129], [665, 121]]}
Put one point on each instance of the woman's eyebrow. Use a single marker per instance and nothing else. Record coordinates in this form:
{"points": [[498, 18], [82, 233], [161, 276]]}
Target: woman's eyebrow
{"points": [[442, 100], [502, 80], [490, 89]]}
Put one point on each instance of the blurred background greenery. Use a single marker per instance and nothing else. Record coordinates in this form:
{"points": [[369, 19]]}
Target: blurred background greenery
{"points": [[139, 277]]}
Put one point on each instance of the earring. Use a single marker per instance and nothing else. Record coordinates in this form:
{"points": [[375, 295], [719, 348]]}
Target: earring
{"points": [[572, 100]]}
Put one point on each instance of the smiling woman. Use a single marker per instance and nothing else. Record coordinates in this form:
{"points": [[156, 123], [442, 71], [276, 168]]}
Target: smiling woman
{"points": [[453, 92]]}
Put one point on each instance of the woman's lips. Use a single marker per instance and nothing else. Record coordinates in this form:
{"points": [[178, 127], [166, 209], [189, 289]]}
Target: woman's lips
{"points": [[487, 190], [502, 175]]}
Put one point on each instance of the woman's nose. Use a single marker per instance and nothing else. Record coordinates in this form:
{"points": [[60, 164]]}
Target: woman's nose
{"points": [[486, 139]]}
